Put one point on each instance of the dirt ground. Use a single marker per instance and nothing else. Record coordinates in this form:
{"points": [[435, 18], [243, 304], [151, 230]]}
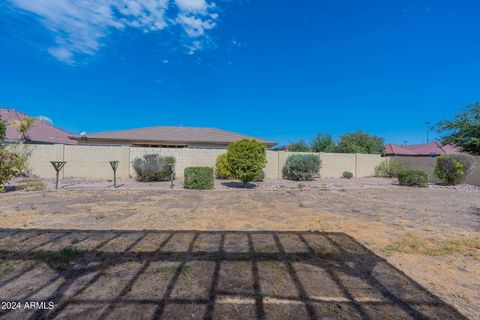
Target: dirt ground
{"points": [[429, 239]]}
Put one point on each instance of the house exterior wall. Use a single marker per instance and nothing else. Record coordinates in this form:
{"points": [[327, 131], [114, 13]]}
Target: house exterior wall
{"points": [[92, 162]]}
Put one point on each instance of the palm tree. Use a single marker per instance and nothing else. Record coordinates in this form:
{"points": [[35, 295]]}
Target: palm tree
{"points": [[23, 125]]}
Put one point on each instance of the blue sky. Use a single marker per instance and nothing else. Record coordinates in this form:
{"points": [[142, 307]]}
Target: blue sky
{"points": [[282, 70]]}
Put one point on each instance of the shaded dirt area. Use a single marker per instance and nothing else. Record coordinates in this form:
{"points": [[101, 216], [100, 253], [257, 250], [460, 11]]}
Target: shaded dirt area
{"points": [[207, 275], [430, 234]]}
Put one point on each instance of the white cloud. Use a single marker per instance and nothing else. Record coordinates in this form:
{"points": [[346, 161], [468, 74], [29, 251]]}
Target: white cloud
{"points": [[45, 119], [80, 26], [199, 6], [195, 26]]}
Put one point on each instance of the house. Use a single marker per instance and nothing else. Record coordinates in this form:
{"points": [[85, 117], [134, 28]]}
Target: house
{"points": [[40, 133], [168, 137], [432, 149]]}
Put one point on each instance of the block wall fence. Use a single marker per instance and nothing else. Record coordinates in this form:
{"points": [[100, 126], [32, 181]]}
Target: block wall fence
{"points": [[92, 162]]}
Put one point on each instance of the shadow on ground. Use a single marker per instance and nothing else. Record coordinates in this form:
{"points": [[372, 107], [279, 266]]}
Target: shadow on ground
{"points": [[205, 275]]}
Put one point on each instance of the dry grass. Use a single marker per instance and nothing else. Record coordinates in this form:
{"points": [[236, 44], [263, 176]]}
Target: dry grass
{"points": [[412, 243], [32, 185]]}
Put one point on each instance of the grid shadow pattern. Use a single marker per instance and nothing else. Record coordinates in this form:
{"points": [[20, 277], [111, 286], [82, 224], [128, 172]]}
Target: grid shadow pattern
{"points": [[206, 275]]}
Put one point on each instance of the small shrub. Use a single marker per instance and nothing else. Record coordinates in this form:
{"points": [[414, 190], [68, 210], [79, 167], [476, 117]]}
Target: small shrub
{"points": [[221, 167], [347, 175], [10, 165], [390, 168], [452, 169], [198, 178], [153, 167], [413, 178], [246, 159], [301, 167]]}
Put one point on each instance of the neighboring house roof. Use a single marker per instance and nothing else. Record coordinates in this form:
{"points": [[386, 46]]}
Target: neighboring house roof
{"points": [[426, 149], [41, 132], [165, 134]]}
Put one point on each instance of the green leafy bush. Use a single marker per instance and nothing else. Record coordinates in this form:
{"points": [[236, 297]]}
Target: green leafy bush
{"points": [[413, 178], [221, 167], [301, 167], [452, 169], [390, 168], [347, 175], [153, 167], [198, 178], [246, 159], [10, 165]]}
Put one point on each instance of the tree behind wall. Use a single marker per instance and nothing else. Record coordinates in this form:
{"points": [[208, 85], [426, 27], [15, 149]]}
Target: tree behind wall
{"points": [[464, 130], [323, 143], [23, 126], [298, 146], [360, 142]]}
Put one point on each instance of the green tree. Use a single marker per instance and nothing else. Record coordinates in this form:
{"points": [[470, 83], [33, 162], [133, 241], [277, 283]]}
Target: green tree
{"points": [[246, 159], [464, 130], [3, 130], [323, 143], [360, 142], [298, 146]]}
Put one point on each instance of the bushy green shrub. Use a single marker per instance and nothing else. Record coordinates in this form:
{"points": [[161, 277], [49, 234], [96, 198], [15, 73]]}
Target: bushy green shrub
{"points": [[153, 167], [301, 167], [221, 167], [246, 159], [10, 165], [198, 178], [413, 178], [390, 168], [347, 175], [452, 169]]}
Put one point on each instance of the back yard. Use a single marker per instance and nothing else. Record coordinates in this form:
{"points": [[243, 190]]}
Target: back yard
{"points": [[339, 249]]}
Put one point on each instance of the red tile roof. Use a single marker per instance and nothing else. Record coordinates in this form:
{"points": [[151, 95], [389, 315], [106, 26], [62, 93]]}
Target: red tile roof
{"points": [[41, 132], [426, 149]]}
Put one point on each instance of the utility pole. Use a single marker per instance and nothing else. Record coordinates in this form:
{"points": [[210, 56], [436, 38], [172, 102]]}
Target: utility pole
{"points": [[427, 123]]}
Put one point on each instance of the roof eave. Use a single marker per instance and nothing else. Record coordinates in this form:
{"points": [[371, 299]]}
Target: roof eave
{"points": [[95, 139]]}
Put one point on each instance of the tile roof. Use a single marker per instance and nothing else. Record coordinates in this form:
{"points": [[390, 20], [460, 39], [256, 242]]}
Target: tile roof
{"points": [[40, 132], [426, 149], [166, 134]]}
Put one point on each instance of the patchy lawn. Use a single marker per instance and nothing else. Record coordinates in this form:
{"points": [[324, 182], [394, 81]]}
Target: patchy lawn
{"points": [[432, 235], [207, 275]]}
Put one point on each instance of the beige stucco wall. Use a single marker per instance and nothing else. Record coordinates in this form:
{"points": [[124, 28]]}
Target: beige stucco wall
{"points": [[334, 164], [366, 164], [93, 161]]}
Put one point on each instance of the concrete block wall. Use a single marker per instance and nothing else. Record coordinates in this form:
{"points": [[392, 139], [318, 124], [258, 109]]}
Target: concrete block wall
{"points": [[92, 162]]}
